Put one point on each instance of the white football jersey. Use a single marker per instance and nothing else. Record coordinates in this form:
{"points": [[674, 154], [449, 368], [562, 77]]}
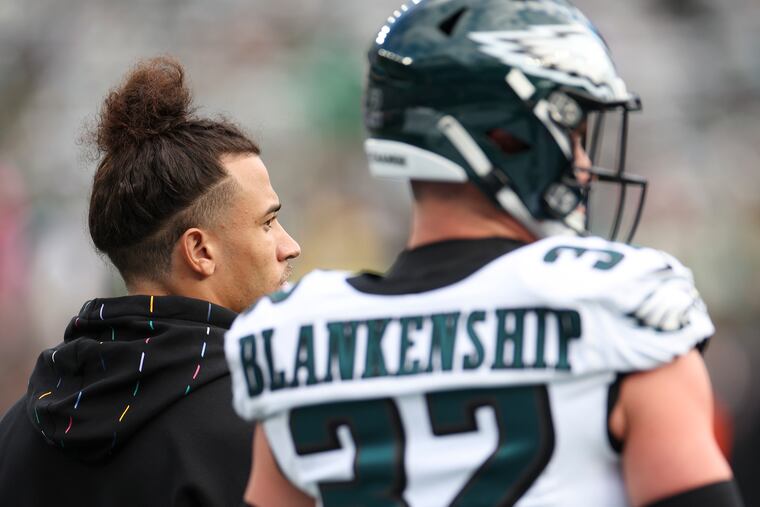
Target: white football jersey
{"points": [[494, 389]]}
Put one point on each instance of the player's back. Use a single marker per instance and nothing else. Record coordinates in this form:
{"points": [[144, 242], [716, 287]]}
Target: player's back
{"points": [[474, 373]]}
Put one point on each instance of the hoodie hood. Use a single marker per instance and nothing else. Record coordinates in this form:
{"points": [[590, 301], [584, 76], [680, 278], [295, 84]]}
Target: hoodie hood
{"points": [[123, 362]]}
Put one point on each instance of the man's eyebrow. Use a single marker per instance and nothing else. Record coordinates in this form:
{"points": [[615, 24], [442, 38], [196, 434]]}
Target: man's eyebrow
{"points": [[274, 208]]}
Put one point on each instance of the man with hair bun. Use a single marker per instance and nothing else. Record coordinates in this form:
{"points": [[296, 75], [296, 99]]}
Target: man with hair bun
{"points": [[133, 407]]}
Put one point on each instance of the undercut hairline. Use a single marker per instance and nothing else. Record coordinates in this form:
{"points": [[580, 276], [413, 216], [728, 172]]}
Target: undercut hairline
{"points": [[206, 211]]}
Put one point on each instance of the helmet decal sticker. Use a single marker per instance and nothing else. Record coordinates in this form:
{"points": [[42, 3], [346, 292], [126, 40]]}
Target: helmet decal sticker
{"points": [[568, 54]]}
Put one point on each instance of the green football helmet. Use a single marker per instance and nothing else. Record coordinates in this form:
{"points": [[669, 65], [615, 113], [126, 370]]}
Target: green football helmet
{"points": [[491, 91]]}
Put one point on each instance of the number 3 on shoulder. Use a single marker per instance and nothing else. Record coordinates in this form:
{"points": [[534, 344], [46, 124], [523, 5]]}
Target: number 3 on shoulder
{"points": [[603, 260]]}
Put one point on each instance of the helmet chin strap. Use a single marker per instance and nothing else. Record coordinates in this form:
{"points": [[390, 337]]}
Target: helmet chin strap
{"points": [[506, 197]]}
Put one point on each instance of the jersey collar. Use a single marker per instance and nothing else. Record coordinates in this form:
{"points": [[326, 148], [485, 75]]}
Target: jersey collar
{"points": [[434, 266]]}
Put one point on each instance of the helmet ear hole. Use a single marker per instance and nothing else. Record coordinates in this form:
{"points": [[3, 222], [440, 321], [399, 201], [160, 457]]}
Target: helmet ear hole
{"points": [[506, 142], [448, 25]]}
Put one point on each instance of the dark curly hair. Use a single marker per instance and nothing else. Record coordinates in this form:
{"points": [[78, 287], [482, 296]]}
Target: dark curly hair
{"points": [[160, 169]]}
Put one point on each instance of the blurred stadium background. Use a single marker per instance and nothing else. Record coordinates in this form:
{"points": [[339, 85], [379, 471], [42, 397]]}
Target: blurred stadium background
{"points": [[291, 73]]}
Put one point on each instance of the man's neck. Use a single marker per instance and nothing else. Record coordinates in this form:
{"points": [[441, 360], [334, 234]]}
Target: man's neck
{"points": [[438, 220], [147, 288]]}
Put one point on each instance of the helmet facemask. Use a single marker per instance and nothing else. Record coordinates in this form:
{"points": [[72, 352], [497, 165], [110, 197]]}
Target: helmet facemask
{"points": [[609, 192]]}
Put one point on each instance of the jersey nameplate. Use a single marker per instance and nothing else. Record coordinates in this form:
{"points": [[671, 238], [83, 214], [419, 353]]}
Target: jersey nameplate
{"points": [[386, 337]]}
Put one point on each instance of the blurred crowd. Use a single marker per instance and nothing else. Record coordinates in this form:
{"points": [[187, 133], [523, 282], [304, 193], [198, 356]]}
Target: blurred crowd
{"points": [[291, 73]]}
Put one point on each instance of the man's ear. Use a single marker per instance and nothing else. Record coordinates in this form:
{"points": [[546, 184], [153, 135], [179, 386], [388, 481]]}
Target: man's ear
{"points": [[198, 251]]}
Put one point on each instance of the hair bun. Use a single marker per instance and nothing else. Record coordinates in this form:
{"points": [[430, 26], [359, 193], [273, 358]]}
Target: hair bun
{"points": [[153, 100]]}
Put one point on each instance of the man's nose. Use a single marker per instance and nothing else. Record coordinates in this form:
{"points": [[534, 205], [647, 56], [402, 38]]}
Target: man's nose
{"points": [[582, 160], [289, 248]]}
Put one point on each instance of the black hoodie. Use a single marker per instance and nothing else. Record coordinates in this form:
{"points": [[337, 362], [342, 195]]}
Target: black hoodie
{"points": [[133, 408]]}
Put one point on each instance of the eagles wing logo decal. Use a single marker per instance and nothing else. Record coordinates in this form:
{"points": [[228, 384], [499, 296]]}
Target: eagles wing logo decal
{"points": [[569, 54]]}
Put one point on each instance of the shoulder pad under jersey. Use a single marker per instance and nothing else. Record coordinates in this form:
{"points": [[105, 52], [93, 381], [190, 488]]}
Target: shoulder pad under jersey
{"points": [[639, 306]]}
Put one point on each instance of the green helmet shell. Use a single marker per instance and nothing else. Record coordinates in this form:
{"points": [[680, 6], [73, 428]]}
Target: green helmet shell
{"points": [[445, 74]]}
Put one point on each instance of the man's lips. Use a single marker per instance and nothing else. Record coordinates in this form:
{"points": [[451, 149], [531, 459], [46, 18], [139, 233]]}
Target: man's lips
{"points": [[285, 275]]}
